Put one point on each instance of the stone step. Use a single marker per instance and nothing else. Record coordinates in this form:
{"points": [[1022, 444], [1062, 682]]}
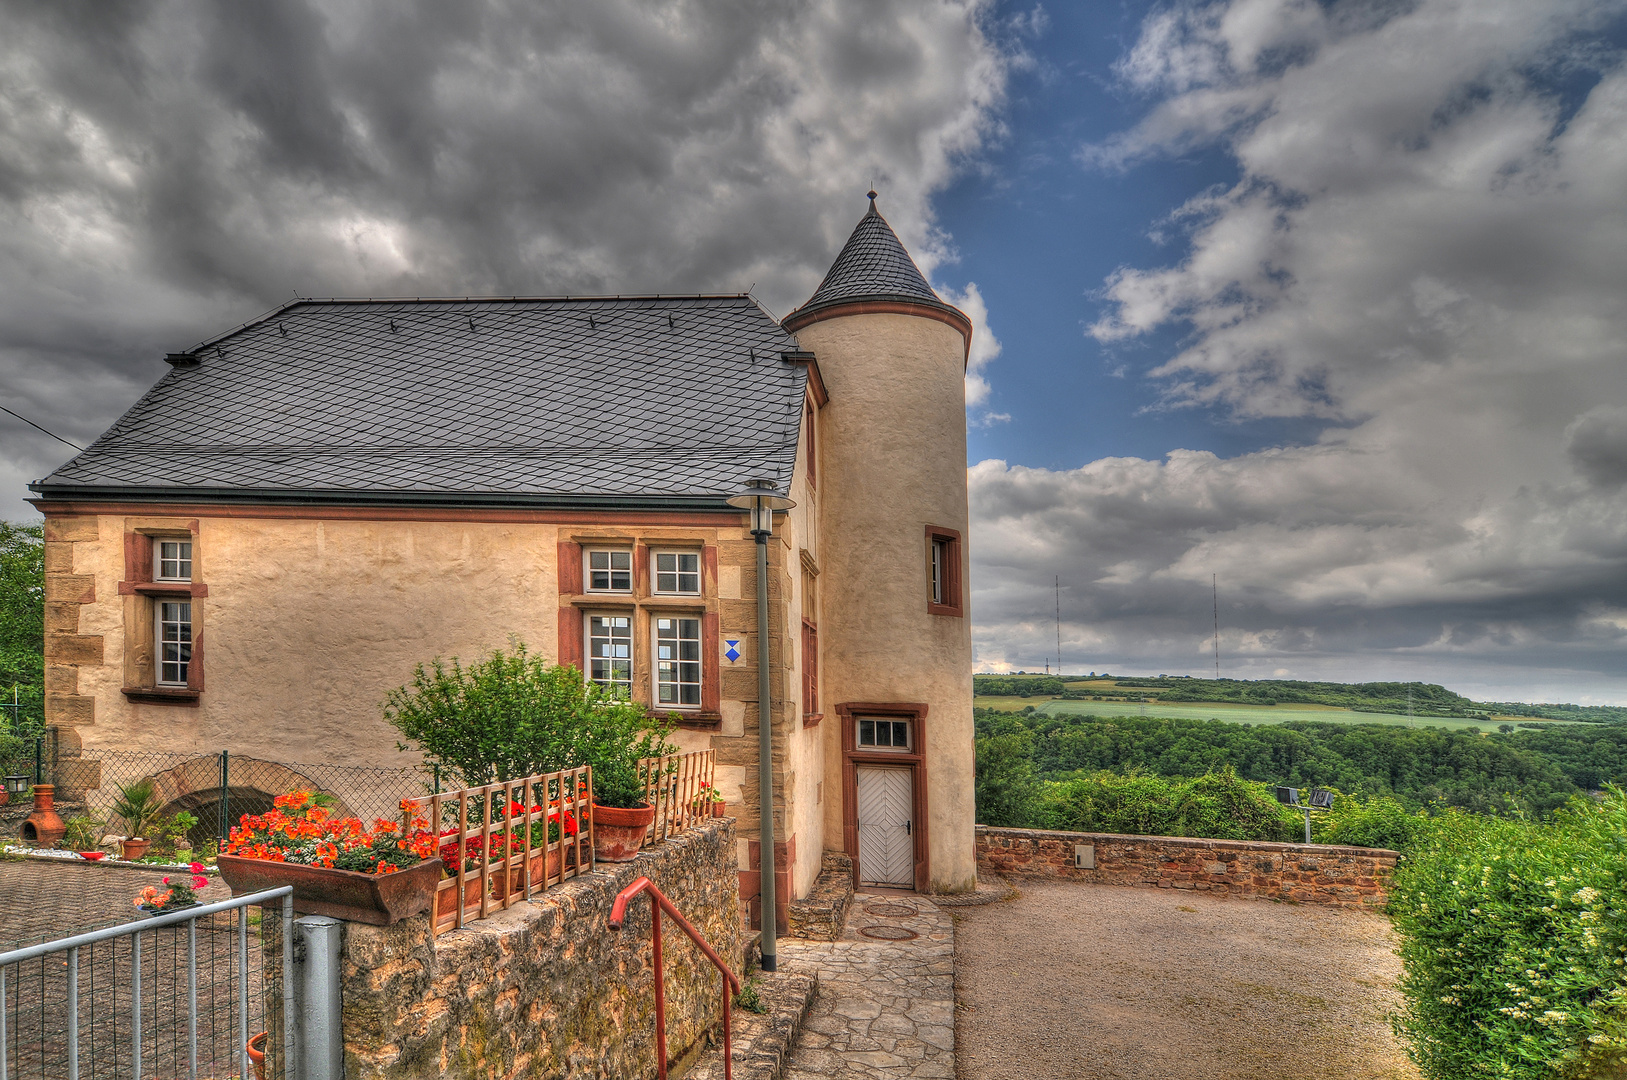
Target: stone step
{"points": [[762, 1041]]}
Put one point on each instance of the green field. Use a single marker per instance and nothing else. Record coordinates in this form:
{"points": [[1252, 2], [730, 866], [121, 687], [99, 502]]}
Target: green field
{"points": [[1239, 714]]}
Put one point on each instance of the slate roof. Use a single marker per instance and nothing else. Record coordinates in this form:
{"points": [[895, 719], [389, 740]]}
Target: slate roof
{"points": [[650, 401], [873, 265]]}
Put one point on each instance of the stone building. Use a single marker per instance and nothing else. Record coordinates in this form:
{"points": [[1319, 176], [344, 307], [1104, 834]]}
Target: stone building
{"points": [[306, 506]]}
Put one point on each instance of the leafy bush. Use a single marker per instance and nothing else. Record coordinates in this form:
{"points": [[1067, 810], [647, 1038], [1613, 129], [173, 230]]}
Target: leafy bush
{"points": [[505, 717], [1514, 935], [514, 715], [1381, 821], [1218, 805], [22, 626], [1006, 789]]}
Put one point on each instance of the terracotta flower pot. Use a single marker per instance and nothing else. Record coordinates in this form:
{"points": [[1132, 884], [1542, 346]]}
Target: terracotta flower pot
{"points": [[719, 809], [376, 899], [618, 833], [257, 1054], [133, 849]]}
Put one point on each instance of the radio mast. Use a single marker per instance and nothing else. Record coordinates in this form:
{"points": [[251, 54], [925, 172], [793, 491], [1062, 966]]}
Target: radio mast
{"points": [[1214, 584]]}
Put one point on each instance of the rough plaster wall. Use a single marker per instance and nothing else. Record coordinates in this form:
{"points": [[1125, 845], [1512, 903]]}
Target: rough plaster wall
{"points": [[309, 624], [894, 462]]}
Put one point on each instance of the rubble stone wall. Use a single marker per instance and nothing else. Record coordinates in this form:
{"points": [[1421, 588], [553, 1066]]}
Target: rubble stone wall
{"points": [[545, 989], [1303, 873]]}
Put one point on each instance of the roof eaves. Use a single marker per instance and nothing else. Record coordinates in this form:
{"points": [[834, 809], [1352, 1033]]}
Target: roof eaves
{"points": [[54, 493]]}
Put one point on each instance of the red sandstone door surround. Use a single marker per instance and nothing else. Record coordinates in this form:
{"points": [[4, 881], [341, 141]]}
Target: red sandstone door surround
{"points": [[913, 759]]}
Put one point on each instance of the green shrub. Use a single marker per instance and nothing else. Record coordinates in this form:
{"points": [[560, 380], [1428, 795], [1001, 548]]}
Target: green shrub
{"points": [[513, 715], [1006, 789], [1218, 805], [1379, 821], [1513, 938]]}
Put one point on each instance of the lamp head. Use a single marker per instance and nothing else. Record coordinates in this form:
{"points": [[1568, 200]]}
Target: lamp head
{"points": [[1288, 796], [16, 785], [760, 498]]}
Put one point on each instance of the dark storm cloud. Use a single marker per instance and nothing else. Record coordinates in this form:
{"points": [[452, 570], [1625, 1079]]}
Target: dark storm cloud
{"points": [[168, 169]]}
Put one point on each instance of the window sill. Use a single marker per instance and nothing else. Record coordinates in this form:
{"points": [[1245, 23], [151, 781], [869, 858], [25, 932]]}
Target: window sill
{"points": [[812, 719], [675, 601], [163, 695], [194, 589], [691, 720], [945, 609]]}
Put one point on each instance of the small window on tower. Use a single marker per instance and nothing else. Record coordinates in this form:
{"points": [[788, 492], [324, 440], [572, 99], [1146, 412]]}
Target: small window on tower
{"points": [[943, 572]]}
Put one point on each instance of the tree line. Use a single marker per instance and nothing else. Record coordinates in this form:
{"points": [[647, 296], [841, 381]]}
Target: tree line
{"points": [[1020, 754]]}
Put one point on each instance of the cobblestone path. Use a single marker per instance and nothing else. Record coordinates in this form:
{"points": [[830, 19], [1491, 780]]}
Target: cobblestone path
{"points": [[42, 900], [886, 1003]]}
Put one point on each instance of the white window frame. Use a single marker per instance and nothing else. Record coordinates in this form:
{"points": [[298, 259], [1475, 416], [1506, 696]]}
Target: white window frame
{"points": [[678, 554], [656, 661], [587, 645], [940, 551], [895, 723], [161, 644], [179, 560], [587, 570]]}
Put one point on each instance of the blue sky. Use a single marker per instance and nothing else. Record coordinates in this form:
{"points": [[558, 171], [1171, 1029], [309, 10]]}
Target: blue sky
{"points": [[1040, 233]]}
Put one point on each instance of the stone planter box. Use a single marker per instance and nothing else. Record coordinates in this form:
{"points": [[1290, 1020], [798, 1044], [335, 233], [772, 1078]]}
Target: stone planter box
{"points": [[375, 899]]}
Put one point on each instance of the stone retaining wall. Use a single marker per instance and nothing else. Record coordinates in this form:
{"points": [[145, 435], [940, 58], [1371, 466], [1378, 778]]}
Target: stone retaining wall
{"points": [[1305, 873], [545, 989]]}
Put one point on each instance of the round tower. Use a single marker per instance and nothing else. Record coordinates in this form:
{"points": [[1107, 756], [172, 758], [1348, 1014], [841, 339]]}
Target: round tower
{"points": [[894, 620]]}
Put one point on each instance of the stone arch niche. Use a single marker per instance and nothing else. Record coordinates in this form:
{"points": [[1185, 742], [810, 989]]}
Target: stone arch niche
{"points": [[194, 786]]}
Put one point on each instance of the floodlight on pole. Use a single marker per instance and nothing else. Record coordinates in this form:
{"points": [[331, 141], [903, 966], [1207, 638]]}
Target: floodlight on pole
{"points": [[760, 500]]}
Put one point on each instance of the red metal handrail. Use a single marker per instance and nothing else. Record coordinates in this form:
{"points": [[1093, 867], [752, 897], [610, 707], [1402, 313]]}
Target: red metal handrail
{"points": [[731, 985]]}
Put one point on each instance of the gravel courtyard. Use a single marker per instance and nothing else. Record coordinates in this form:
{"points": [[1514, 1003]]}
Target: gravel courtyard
{"points": [[1105, 982]]}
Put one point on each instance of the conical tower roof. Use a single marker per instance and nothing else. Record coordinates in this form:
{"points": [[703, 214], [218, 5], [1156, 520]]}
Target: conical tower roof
{"points": [[873, 265], [874, 273]]}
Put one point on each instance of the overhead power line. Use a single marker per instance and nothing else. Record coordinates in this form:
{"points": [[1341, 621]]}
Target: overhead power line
{"points": [[36, 427]]}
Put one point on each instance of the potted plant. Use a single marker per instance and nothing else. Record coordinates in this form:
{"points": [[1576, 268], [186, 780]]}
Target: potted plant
{"points": [[170, 836], [337, 866], [708, 801], [82, 835], [180, 894], [138, 805], [505, 879], [622, 737]]}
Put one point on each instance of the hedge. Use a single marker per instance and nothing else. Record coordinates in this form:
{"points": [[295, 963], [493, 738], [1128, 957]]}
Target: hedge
{"points": [[1514, 935]]}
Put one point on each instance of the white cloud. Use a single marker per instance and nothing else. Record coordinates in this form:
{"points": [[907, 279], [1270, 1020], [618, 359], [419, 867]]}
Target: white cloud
{"points": [[985, 347], [1423, 250]]}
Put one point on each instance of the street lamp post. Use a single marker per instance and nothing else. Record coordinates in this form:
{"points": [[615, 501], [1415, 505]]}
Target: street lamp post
{"points": [[760, 498]]}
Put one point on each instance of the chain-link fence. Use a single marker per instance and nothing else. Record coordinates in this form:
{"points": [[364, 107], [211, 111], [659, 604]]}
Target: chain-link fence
{"points": [[214, 790]]}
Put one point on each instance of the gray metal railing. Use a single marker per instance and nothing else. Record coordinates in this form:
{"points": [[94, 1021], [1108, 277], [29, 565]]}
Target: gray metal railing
{"points": [[66, 1029]]}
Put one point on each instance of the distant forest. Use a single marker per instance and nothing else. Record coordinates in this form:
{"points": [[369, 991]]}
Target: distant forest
{"points": [[1427, 699], [1530, 770]]}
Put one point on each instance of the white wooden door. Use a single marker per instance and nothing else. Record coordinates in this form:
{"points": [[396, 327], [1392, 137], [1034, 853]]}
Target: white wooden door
{"points": [[886, 846]]}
